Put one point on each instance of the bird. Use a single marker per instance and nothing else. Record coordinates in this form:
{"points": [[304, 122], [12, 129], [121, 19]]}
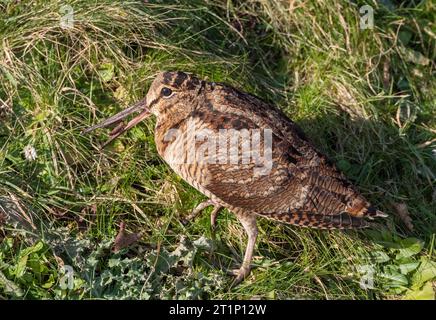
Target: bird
{"points": [[244, 155]]}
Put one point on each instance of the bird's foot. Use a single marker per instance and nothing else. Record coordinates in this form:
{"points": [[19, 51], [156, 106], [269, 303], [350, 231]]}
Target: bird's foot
{"points": [[240, 274], [213, 216], [249, 224]]}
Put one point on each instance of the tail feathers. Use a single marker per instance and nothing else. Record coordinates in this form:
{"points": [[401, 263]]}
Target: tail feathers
{"points": [[359, 207], [320, 221]]}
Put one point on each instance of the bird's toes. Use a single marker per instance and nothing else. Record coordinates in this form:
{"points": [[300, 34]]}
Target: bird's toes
{"points": [[240, 274], [233, 272]]}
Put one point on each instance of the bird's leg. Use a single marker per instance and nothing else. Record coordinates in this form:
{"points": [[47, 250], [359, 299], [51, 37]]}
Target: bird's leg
{"points": [[249, 224], [197, 210], [202, 206], [213, 215]]}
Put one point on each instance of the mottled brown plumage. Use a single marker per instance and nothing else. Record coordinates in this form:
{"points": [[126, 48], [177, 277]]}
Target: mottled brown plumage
{"points": [[299, 185]]}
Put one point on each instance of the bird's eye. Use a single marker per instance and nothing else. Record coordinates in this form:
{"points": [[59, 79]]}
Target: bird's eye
{"points": [[166, 92]]}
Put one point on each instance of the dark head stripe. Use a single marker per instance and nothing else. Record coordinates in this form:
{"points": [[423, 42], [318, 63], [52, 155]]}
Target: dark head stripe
{"points": [[174, 79], [167, 77], [179, 79]]}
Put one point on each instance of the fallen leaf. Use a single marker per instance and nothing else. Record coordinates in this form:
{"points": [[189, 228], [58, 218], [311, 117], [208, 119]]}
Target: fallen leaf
{"points": [[124, 239], [403, 213]]}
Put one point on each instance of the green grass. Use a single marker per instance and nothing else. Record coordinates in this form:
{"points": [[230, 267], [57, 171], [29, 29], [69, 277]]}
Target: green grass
{"points": [[365, 97]]}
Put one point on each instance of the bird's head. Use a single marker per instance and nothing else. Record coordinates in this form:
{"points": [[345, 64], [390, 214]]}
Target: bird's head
{"points": [[169, 94], [172, 92]]}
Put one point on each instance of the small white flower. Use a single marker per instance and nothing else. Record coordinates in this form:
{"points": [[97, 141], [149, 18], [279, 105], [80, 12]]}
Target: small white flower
{"points": [[30, 153]]}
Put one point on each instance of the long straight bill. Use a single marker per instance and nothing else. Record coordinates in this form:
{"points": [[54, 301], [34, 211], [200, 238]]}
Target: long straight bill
{"points": [[119, 130]]}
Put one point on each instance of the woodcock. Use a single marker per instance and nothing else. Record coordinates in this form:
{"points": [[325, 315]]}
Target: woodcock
{"points": [[244, 155]]}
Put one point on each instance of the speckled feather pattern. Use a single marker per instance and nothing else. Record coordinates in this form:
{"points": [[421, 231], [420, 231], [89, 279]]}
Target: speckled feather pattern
{"points": [[302, 188]]}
